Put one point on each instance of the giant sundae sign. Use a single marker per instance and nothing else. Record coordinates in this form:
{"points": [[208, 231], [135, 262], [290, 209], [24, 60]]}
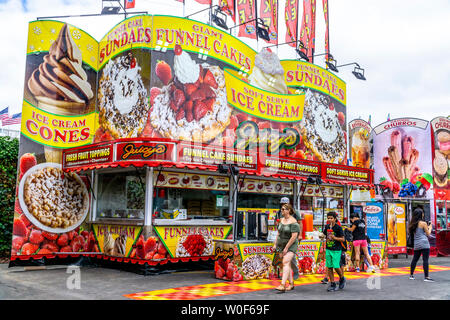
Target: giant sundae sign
{"points": [[171, 81]]}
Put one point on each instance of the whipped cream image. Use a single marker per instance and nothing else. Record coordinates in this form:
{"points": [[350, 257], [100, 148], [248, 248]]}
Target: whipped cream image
{"points": [[268, 74], [186, 69], [60, 78], [126, 94], [321, 130]]}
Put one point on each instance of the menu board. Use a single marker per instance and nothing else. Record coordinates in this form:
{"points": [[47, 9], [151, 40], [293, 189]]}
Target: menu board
{"points": [[267, 187], [191, 181]]}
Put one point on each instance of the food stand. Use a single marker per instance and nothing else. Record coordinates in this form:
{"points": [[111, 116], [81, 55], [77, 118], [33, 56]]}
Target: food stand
{"points": [[168, 145]]}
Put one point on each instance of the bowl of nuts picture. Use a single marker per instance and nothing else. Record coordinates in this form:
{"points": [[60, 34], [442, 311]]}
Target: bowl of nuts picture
{"points": [[53, 200]]}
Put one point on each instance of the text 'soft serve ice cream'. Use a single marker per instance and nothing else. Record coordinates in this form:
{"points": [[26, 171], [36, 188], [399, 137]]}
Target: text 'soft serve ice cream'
{"points": [[268, 74], [60, 84], [186, 69]]}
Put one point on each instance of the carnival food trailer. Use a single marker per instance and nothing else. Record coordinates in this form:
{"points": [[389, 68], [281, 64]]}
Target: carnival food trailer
{"points": [[170, 140]]}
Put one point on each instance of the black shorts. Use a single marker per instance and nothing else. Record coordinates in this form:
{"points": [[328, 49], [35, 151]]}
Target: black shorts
{"points": [[342, 262]]}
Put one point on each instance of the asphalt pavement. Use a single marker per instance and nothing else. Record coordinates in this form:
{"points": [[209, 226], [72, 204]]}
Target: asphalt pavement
{"points": [[88, 282]]}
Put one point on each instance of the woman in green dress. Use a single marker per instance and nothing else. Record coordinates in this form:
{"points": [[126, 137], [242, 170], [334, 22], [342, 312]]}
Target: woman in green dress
{"points": [[286, 244]]}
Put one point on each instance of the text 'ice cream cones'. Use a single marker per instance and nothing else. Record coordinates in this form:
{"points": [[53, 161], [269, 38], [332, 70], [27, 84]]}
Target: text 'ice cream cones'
{"points": [[268, 74], [60, 84]]}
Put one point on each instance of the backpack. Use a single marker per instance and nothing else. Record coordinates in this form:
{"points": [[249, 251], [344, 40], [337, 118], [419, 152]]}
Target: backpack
{"points": [[348, 235]]}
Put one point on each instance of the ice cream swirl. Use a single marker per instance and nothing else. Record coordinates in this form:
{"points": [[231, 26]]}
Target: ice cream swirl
{"points": [[61, 76]]}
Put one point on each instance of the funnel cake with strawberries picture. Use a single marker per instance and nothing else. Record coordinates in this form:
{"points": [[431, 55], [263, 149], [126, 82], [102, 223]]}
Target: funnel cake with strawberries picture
{"points": [[122, 97], [322, 128], [192, 104]]}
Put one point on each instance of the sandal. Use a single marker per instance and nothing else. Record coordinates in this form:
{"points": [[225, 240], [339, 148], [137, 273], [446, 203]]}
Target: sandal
{"points": [[281, 288], [290, 288]]}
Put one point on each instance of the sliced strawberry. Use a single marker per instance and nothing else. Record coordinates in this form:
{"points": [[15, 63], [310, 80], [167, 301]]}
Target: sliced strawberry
{"points": [[19, 228], [150, 244], [63, 240], [25, 220], [18, 242], [190, 88], [189, 106], [173, 106], [189, 116], [179, 98], [49, 235], [27, 161], [161, 249], [164, 72], [210, 103], [200, 110], [234, 122], [66, 249], [201, 74], [210, 80], [44, 251], [36, 237], [155, 91], [177, 50], [180, 114], [17, 207], [51, 246], [29, 248]]}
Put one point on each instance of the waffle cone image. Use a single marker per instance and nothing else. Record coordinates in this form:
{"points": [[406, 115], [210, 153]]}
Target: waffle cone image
{"points": [[53, 154]]}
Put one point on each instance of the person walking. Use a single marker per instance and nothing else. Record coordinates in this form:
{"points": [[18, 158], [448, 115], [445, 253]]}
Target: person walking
{"points": [[421, 231], [358, 229], [286, 244], [343, 262], [298, 217], [335, 236]]}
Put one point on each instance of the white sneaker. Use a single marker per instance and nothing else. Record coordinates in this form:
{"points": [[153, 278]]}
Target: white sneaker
{"points": [[428, 279], [412, 278], [371, 269]]}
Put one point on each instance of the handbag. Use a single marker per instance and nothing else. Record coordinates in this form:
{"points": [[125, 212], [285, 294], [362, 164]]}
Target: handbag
{"points": [[410, 240]]}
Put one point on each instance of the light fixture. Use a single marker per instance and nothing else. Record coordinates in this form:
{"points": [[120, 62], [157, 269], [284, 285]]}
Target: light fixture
{"points": [[223, 168], [358, 72], [110, 10], [330, 65], [219, 18], [262, 30], [302, 54]]}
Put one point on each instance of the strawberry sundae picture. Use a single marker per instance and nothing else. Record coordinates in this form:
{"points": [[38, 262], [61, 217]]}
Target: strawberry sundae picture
{"points": [[191, 105]]}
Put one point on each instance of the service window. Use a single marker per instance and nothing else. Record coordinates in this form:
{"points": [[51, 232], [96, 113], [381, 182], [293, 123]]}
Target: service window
{"points": [[185, 195], [121, 195]]}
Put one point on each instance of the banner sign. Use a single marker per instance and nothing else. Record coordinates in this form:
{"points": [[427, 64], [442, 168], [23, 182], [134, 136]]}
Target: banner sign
{"points": [[139, 151], [291, 20], [335, 172], [374, 219], [396, 226], [210, 155], [280, 165], [116, 240], [97, 154], [268, 12], [402, 157], [246, 10], [441, 157], [359, 132], [191, 241]]}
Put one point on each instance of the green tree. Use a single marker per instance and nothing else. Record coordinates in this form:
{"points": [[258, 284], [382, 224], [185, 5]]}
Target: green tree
{"points": [[9, 149]]}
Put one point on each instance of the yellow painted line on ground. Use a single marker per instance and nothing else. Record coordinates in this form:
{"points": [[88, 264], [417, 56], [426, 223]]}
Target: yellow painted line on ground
{"points": [[227, 288]]}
